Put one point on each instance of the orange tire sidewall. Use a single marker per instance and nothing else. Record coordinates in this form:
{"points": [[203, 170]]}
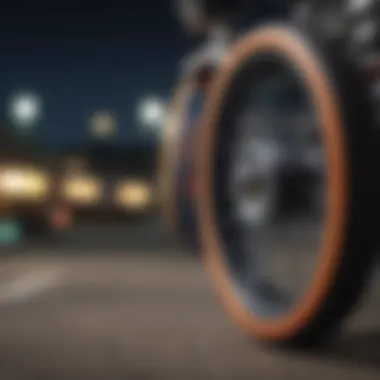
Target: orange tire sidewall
{"points": [[289, 44]]}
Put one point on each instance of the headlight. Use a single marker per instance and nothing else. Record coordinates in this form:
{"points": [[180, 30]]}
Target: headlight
{"points": [[82, 190], [133, 195], [24, 183]]}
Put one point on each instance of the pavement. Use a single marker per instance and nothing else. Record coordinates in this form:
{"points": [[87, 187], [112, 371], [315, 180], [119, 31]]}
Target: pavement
{"points": [[134, 313]]}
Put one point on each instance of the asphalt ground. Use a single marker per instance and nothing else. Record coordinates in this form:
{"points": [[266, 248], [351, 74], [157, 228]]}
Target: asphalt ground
{"points": [[143, 309]]}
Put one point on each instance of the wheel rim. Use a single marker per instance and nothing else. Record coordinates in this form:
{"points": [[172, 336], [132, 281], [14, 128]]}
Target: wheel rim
{"points": [[263, 152]]}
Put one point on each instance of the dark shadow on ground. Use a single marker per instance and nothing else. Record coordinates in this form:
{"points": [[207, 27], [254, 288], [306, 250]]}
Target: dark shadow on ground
{"points": [[361, 349]]}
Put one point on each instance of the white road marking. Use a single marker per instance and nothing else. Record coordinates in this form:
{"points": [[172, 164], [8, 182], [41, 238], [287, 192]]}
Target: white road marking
{"points": [[30, 285]]}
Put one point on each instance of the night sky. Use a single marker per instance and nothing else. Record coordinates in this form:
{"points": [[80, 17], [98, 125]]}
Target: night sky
{"points": [[82, 58]]}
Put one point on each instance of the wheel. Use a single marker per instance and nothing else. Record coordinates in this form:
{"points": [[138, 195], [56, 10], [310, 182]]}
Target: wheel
{"points": [[176, 157], [286, 186]]}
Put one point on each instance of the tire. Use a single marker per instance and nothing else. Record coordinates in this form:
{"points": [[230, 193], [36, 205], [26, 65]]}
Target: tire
{"points": [[176, 162], [342, 108]]}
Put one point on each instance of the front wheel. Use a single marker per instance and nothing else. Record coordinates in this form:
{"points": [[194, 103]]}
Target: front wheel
{"points": [[287, 185]]}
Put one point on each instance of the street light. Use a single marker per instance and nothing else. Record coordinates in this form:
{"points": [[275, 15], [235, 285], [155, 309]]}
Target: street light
{"points": [[25, 110], [151, 113]]}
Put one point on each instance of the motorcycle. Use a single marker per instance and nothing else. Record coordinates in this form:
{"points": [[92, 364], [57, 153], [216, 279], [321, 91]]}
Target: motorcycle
{"points": [[287, 163]]}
